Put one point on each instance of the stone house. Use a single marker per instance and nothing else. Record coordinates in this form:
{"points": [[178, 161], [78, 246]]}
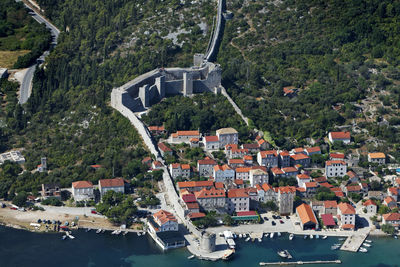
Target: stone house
{"points": [[164, 150], [223, 173], [183, 136], [243, 173], [212, 199], [238, 200], [302, 179], [205, 167], [194, 186], [335, 168], [339, 137], [330, 207], [347, 216], [391, 218], [162, 221], [286, 196], [300, 159], [258, 176], [370, 206], [268, 158], [227, 136], [116, 185], [284, 159], [211, 143], [51, 190], [82, 190], [378, 157]]}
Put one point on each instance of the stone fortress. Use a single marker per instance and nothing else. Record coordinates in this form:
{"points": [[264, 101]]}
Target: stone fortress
{"points": [[149, 88]]}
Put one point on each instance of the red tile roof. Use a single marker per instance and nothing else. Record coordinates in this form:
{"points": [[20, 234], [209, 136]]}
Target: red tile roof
{"points": [[303, 176], [164, 148], [287, 189], [369, 202], [192, 205], [336, 155], [146, 160], [237, 192], [195, 215], [212, 138], [284, 153], [82, 184], [247, 157], [156, 128], [320, 179], [251, 146], [211, 193], [351, 174], [267, 187], [164, 216], [311, 185], [289, 169], [348, 226], [195, 184], [391, 216], [389, 200], [206, 162], [238, 181], [353, 188], [243, 169], [299, 156], [188, 198], [185, 166], [330, 162], [327, 185], [276, 171], [219, 185], [117, 182], [346, 208], [340, 135], [393, 191], [246, 213], [306, 214], [236, 161], [330, 204], [328, 220], [298, 150], [188, 133], [268, 152], [313, 149]]}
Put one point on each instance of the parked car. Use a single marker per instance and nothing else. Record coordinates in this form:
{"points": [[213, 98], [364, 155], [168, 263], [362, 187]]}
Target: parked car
{"points": [[273, 223], [282, 222], [93, 212], [13, 208], [266, 218]]}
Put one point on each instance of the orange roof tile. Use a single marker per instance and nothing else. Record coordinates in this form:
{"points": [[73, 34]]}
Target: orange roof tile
{"points": [[268, 152], [238, 181], [236, 161], [336, 155], [306, 214], [287, 189], [313, 149], [369, 202], [117, 182], [311, 185], [299, 156], [330, 162], [237, 192], [391, 216], [188, 133], [267, 187], [185, 167], [212, 138], [211, 193], [276, 171], [377, 155], [284, 153], [82, 184], [243, 169], [195, 184], [303, 176], [289, 169], [164, 216], [206, 162], [340, 135], [346, 208], [330, 204]]}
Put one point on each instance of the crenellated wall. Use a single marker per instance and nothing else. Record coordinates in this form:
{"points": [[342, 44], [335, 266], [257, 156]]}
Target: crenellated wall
{"points": [[149, 88]]}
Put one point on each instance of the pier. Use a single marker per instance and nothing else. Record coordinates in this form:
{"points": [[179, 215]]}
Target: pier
{"points": [[300, 262], [353, 243]]}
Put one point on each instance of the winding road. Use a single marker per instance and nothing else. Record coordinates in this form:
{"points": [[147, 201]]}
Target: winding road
{"points": [[26, 85]]}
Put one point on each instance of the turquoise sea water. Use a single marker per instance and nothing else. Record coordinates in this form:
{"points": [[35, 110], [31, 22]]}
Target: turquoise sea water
{"points": [[21, 248]]}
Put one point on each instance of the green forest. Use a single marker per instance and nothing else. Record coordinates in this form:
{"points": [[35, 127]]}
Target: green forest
{"points": [[336, 53], [19, 31], [68, 118]]}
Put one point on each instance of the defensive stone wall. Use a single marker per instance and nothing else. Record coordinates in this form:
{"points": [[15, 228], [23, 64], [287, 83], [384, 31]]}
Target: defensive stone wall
{"points": [[149, 88]]}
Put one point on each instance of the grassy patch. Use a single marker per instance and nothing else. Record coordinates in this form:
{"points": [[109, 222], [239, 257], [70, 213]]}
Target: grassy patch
{"points": [[8, 58]]}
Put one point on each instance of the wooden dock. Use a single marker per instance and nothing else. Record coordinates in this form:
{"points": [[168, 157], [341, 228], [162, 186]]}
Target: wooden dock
{"points": [[300, 262]]}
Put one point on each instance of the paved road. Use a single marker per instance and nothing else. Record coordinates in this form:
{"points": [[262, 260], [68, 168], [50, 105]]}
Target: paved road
{"points": [[26, 86]]}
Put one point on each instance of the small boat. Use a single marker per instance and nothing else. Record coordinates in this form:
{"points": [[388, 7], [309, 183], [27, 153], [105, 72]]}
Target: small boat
{"points": [[311, 236], [324, 237], [87, 230], [63, 237], [334, 247], [367, 245], [259, 240], [103, 231], [190, 257], [138, 233], [266, 235], [279, 234], [240, 236], [342, 239], [272, 235], [69, 235], [291, 236], [305, 237], [244, 235], [247, 239], [118, 232], [282, 253], [114, 232], [317, 236], [364, 250], [98, 231], [368, 241], [289, 256], [395, 236], [125, 233]]}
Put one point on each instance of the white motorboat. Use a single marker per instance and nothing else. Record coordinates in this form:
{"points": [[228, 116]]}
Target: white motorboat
{"points": [[244, 235], [395, 236], [368, 241], [266, 235], [342, 239], [240, 236], [103, 231], [279, 233], [311, 236], [247, 239], [272, 235], [125, 233], [98, 231], [114, 232], [367, 245], [282, 253], [335, 247], [291, 236], [324, 237], [305, 237], [190, 257], [259, 240], [364, 250], [63, 237], [317, 236]]}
